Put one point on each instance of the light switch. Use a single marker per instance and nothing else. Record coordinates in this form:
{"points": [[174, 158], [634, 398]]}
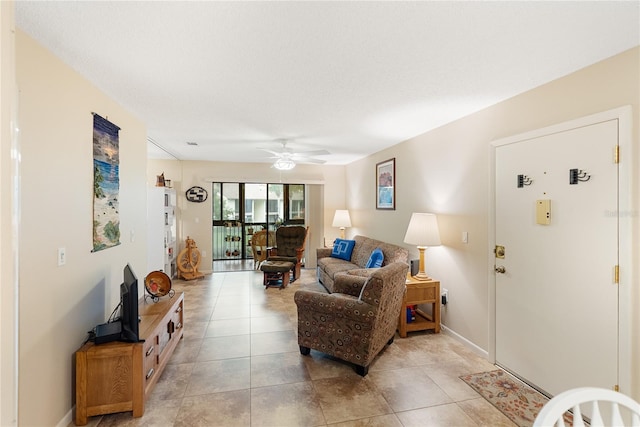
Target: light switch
{"points": [[465, 237], [543, 212], [62, 256]]}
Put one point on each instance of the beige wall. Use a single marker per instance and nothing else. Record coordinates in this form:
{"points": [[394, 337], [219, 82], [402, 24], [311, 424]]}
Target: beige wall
{"points": [[446, 171], [8, 234], [58, 305]]}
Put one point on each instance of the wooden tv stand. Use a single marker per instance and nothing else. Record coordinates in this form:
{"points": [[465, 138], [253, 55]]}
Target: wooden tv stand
{"points": [[119, 376]]}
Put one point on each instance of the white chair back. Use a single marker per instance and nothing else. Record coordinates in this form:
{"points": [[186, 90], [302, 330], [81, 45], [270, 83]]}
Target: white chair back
{"points": [[597, 404]]}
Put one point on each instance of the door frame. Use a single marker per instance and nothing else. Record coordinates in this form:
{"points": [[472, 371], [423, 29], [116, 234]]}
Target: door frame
{"points": [[627, 277]]}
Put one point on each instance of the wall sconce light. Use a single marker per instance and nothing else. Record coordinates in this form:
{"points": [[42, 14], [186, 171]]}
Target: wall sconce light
{"points": [[422, 232]]}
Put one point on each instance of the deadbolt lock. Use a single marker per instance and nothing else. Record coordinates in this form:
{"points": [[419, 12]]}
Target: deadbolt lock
{"points": [[499, 250]]}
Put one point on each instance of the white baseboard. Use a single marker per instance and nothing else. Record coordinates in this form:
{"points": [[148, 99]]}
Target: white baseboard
{"points": [[479, 351], [67, 420]]}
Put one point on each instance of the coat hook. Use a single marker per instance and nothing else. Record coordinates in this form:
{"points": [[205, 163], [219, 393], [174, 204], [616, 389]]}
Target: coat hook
{"points": [[578, 175], [524, 180]]}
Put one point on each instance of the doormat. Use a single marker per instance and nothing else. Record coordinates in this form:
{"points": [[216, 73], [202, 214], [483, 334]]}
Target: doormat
{"points": [[515, 399]]}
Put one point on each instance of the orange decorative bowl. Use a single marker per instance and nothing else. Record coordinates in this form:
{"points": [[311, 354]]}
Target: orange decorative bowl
{"points": [[157, 283]]}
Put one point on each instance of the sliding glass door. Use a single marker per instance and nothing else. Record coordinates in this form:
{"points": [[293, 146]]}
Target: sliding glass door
{"points": [[241, 209]]}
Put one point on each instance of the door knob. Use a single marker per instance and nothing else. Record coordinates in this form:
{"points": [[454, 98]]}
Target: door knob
{"points": [[500, 269]]}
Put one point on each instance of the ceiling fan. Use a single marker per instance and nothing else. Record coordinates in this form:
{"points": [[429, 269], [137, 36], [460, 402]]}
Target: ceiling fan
{"points": [[286, 159]]}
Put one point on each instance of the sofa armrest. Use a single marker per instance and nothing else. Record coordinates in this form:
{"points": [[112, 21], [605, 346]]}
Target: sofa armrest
{"points": [[323, 252], [345, 283], [343, 306]]}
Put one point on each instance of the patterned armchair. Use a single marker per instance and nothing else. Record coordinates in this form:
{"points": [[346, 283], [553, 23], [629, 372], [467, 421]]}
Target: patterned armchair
{"points": [[290, 242], [356, 321]]}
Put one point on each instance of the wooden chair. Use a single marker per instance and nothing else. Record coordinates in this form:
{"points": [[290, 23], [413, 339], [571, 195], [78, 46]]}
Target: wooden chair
{"points": [[260, 241], [592, 402]]}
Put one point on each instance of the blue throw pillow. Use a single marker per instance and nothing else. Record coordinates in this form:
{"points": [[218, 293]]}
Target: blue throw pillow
{"points": [[376, 258], [342, 249]]}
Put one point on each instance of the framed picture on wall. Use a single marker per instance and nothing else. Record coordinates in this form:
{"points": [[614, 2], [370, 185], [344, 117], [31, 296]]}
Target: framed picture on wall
{"points": [[386, 184]]}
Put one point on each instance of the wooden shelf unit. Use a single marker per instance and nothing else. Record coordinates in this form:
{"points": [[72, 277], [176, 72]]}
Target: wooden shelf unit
{"points": [[420, 292], [119, 376]]}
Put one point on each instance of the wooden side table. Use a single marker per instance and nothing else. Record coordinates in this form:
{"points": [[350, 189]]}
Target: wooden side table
{"points": [[420, 292]]}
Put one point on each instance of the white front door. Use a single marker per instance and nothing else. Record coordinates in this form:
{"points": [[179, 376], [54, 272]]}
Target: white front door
{"points": [[557, 301]]}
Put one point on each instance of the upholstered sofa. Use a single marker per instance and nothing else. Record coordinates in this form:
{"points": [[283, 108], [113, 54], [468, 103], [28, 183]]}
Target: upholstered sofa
{"points": [[356, 321], [329, 267]]}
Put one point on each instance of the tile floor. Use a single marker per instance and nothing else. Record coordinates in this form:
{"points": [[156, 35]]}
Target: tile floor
{"points": [[231, 265], [239, 365]]}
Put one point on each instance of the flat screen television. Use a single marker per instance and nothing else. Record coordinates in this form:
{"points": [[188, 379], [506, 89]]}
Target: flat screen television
{"points": [[129, 300]]}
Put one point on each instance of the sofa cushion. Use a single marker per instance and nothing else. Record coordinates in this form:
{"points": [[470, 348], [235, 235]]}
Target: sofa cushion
{"points": [[362, 272], [333, 266], [366, 245], [376, 258], [342, 249]]}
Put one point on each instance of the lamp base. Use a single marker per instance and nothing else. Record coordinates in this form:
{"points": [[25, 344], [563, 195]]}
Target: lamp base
{"points": [[422, 277]]}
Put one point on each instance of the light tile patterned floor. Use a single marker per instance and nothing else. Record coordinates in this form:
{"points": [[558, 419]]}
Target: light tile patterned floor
{"points": [[239, 365]]}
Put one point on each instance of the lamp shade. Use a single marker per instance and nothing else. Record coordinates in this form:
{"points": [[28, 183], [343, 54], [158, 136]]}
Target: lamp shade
{"points": [[423, 230], [341, 218]]}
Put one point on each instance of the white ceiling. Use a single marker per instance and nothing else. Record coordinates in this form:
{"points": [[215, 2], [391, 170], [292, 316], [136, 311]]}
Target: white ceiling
{"points": [[349, 77]]}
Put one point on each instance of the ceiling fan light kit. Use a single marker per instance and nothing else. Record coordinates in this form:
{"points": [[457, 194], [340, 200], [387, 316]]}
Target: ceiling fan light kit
{"points": [[284, 164], [286, 159]]}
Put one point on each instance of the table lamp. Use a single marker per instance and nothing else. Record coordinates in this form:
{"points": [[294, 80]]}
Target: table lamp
{"points": [[422, 232], [341, 219]]}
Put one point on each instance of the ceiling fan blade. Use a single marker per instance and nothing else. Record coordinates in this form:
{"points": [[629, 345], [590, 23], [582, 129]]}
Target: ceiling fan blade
{"points": [[299, 157], [302, 159], [275, 153], [313, 153]]}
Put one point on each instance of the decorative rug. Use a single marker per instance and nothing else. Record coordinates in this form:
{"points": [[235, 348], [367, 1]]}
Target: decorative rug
{"points": [[515, 399]]}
